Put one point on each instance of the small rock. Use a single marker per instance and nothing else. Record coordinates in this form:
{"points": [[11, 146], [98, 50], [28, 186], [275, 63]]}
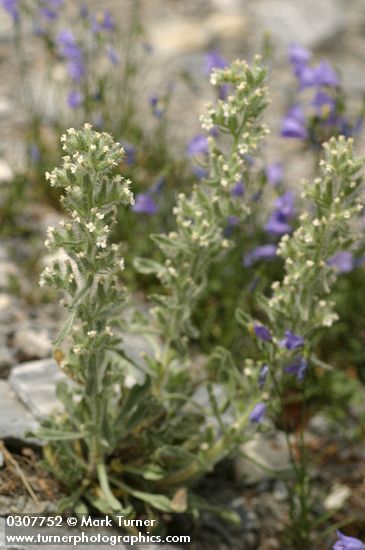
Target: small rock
{"points": [[280, 491], [226, 26], [1, 459], [175, 37], [32, 343], [6, 173], [7, 270], [7, 360], [272, 453], [337, 497], [15, 419], [310, 23], [35, 383]]}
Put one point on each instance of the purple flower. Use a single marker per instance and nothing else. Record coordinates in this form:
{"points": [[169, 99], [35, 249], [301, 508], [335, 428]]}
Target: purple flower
{"points": [[264, 252], [274, 173], [102, 22], [49, 8], [155, 103], [12, 7], [223, 91], [130, 152], [200, 172], [322, 99], [238, 190], [326, 75], [34, 153], [278, 221], [74, 99], [214, 60], [306, 75], [144, 204], [198, 145], [319, 75], [263, 375], [76, 69], [69, 49], [112, 54], [347, 543], [298, 55], [294, 123], [277, 224], [257, 413], [67, 45], [262, 332], [292, 341], [342, 262], [48, 13], [158, 185], [298, 368]]}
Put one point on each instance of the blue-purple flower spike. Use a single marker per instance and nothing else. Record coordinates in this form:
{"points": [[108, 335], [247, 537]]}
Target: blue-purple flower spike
{"points": [[347, 543], [292, 341], [12, 7], [198, 145], [214, 60], [294, 123], [262, 333], [298, 368], [74, 99], [264, 252], [274, 173], [342, 262], [258, 413], [145, 204], [263, 375]]}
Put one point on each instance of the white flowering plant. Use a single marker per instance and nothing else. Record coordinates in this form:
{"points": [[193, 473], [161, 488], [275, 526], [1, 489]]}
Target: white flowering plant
{"points": [[134, 436], [151, 440]]}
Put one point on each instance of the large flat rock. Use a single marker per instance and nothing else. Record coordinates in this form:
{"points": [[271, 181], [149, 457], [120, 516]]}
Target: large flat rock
{"points": [[264, 456], [310, 23], [15, 419], [35, 382]]}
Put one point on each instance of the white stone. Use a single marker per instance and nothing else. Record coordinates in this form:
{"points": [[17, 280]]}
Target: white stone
{"points": [[6, 173], [32, 343], [337, 497], [309, 23], [270, 452], [16, 420], [174, 36]]}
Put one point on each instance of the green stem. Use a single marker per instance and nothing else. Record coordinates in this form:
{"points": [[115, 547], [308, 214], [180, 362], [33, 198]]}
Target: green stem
{"points": [[105, 487]]}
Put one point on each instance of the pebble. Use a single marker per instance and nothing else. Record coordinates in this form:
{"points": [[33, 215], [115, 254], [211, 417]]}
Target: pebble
{"points": [[7, 359], [6, 173], [7, 270], [309, 23], [16, 420], [35, 384], [337, 497], [32, 343], [271, 452]]}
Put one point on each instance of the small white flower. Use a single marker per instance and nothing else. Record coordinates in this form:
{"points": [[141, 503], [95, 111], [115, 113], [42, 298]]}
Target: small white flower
{"points": [[90, 227], [101, 242]]}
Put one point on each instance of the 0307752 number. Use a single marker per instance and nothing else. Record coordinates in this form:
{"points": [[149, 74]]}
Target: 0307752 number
{"points": [[31, 521]]}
